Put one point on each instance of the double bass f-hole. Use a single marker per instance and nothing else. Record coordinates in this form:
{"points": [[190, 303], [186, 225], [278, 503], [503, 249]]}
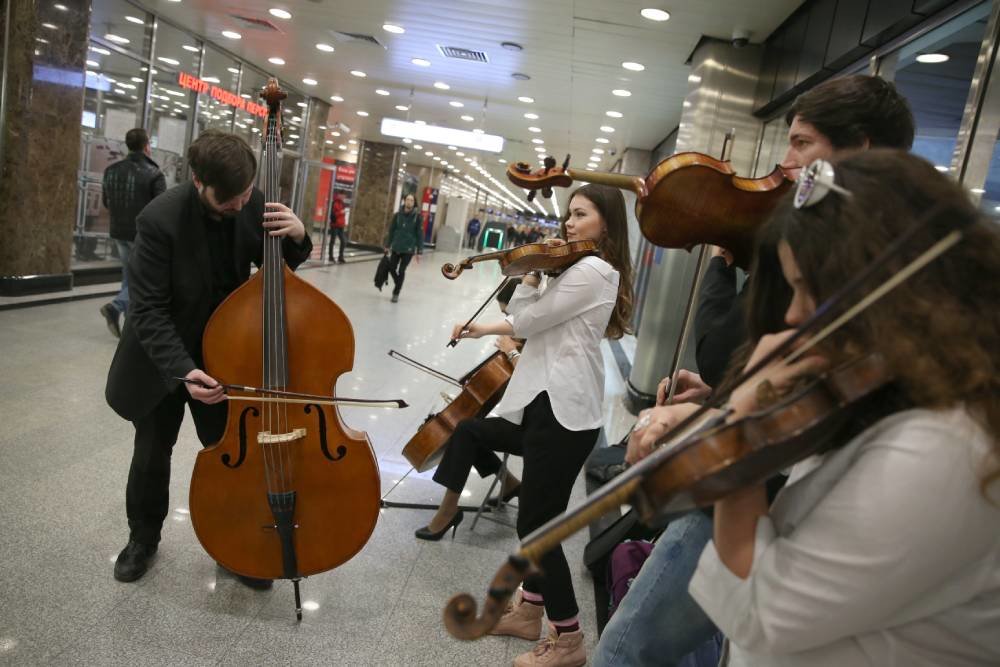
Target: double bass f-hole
{"points": [[324, 447]]}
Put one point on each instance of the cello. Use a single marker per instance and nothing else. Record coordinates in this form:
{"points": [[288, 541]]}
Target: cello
{"points": [[290, 490]]}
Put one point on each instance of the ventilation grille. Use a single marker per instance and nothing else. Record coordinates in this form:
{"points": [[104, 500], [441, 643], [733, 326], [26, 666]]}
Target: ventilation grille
{"points": [[356, 37], [463, 54], [254, 23]]}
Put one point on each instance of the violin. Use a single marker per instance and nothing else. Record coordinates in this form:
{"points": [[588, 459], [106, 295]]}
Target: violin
{"points": [[686, 200], [528, 258], [289, 490], [481, 387], [704, 459]]}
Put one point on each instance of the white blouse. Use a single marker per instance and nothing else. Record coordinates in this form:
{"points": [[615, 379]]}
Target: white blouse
{"points": [[563, 325], [883, 552]]}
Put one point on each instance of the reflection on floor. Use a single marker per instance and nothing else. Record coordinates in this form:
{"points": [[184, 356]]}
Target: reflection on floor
{"points": [[64, 458]]}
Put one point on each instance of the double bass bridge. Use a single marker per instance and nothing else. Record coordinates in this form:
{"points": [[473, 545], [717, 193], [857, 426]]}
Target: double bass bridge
{"points": [[268, 438]]}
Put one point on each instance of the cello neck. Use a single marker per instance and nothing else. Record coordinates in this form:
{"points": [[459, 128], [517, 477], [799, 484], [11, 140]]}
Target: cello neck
{"points": [[633, 184]]}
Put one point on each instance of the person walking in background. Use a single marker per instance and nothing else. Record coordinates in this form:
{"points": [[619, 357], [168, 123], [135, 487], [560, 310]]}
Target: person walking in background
{"points": [[473, 230], [129, 185], [337, 224], [405, 238]]}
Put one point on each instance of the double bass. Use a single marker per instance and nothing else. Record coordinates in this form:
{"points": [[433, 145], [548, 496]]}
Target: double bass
{"points": [[290, 490]]}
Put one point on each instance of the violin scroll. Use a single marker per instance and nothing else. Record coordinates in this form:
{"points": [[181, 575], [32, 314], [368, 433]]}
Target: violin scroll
{"points": [[460, 615], [452, 271], [544, 179]]}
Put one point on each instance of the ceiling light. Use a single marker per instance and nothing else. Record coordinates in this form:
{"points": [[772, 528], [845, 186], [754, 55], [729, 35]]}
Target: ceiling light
{"points": [[402, 107], [598, 151], [418, 147], [592, 165], [621, 92], [325, 47], [456, 104], [932, 58], [116, 39], [536, 140], [467, 118], [381, 91], [233, 70], [694, 78], [526, 99], [540, 149], [336, 98], [394, 29], [309, 82], [407, 141], [301, 104], [607, 128], [363, 114], [654, 14], [531, 116], [131, 19], [601, 140], [635, 67], [358, 73], [445, 136], [329, 141], [502, 161], [942, 168], [191, 48], [352, 141], [276, 61], [459, 153], [520, 76], [534, 129], [231, 34], [420, 62], [342, 147], [62, 8], [977, 191], [441, 85], [280, 13], [428, 153]]}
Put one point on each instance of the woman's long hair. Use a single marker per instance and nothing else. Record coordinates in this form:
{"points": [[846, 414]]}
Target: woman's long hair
{"points": [[613, 245], [939, 330]]}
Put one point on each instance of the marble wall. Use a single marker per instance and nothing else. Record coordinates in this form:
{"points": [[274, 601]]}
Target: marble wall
{"points": [[374, 195], [45, 66]]}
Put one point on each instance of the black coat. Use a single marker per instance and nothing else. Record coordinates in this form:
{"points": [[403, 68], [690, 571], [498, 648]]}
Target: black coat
{"points": [[719, 325], [128, 186], [170, 295]]}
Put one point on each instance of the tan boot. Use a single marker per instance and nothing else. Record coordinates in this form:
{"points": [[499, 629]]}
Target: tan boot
{"points": [[522, 619], [565, 650]]}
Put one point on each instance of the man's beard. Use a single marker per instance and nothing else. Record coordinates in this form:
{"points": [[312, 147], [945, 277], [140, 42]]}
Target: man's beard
{"points": [[212, 209]]}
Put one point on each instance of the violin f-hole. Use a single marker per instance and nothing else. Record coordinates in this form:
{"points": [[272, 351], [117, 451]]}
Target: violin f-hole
{"points": [[323, 445]]}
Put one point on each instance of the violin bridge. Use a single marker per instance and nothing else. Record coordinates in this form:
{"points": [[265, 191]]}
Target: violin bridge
{"points": [[268, 438]]}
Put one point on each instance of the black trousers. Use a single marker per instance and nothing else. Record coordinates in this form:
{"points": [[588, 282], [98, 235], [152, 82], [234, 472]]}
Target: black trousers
{"points": [[553, 458], [397, 268], [337, 233], [146, 496]]}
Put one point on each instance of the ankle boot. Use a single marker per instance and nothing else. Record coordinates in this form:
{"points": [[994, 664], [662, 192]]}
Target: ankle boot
{"points": [[522, 619], [565, 650]]}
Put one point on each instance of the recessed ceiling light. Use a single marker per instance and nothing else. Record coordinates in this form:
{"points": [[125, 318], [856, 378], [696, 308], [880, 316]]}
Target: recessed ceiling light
{"points": [[520, 76], [534, 129], [932, 58], [276, 60], [280, 13], [635, 67], [342, 147], [441, 85], [231, 34], [601, 140], [336, 98], [309, 82], [531, 116], [169, 61], [607, 128], [407, 141], [393, 28], [502, 161], [329, 141], [62, 8], [363, 114], [402, 107], [322, 46], [467, 118], [621, 92], [352, 141], [418, 147], [613, 114], [192, 49], [598, 151], [234, 70], [132, 19], [381, 91], [942, 168], [459, 153], [592, 165], [456, 104], [526, 99], [358, 73], [540, 149], [420, 62], [654, 14], [536, 140], [116, 39]]}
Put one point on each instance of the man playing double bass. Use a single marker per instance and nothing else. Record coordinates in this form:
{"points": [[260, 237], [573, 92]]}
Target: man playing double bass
{"points": [[194, 246]]}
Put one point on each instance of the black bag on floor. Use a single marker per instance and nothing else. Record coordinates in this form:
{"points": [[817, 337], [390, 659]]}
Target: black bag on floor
{"points": [[382, 272]]}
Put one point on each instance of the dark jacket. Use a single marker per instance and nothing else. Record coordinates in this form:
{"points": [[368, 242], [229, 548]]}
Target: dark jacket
{"points": [[170, 293], [719, 324], [129, 185], [406, 233]]}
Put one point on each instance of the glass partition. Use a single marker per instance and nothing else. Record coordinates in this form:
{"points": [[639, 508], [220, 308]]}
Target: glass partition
{"points": [[122, 24]]}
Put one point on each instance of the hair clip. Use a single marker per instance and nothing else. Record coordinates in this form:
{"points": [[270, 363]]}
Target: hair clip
{"points": [[815, 182]]}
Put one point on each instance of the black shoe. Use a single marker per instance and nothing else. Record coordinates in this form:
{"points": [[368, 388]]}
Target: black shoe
{"points": [[256, 584], [395, 298], [110, 314], [507, 497], [425, 534], [341, 261], [133, 561]]}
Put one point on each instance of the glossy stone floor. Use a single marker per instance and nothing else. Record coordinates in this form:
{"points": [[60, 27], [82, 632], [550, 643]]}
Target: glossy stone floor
{"points": [[64, 458]]}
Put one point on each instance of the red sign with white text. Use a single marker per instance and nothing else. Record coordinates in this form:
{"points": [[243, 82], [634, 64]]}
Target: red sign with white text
{"points": [[346, 173], [191, 82]]}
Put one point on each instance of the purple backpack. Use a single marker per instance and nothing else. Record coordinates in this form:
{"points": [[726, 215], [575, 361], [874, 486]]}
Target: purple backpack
{"points": [[623, 567]]}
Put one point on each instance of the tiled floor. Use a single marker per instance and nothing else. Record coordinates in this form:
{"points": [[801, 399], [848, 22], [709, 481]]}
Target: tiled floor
{"points": [[64, 457]]}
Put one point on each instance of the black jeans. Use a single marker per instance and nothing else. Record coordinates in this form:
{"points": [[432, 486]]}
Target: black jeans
{"points": [[337, 233], [146, 496], [397, 268], [553, 458]]}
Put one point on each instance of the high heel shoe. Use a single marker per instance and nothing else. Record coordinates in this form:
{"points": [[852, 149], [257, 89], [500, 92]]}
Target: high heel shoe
{"points": [[507, 497], [425, 533]]}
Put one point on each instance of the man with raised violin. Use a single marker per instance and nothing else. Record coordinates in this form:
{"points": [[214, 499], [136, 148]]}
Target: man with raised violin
{"points": [[658, 622], [194, 247]]}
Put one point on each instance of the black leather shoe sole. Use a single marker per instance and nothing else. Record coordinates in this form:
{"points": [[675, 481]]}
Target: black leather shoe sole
{"points": [[133, 566]]}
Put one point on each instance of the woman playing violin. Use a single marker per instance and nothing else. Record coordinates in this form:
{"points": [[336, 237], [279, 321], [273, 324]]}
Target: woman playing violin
{"points": [[552, 409], [884, 550]]}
